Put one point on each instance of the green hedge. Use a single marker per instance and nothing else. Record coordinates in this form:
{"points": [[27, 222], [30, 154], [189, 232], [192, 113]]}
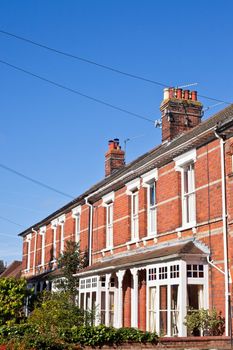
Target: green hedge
{"points": [[25, 337]]}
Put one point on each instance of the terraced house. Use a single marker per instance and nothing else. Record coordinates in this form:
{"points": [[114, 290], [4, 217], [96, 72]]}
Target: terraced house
{"points": [[158, 231]]}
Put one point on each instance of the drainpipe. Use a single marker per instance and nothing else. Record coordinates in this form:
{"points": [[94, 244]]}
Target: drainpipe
{"points": [[34, 260], [90, 230], [225, 239]]}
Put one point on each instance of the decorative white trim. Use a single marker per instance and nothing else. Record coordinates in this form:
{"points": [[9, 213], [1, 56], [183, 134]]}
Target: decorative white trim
{"points": [[149, 176], [132, 186], [76, 211], [42, 230], [28, 237], [108, 198], [61, 219], [187, 226], [190, 156], [54, 223]]}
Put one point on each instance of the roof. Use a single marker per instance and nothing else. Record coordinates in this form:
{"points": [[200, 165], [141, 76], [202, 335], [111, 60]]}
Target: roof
{"points": [[13, 270], [157, 157], [47, 275], [170, 251]]}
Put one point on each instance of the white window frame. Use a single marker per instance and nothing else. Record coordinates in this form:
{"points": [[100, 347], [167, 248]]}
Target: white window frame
{"points": [[149, 179], [61, 223], [42, 232], [28, 240], [54, 225], [188, 198], [182, 281], [76, 214], [133, 191], [108, 201]]}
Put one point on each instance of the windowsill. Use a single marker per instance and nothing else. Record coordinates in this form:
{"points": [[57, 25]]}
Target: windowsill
{"points": [[186, 226], [53, 261], [106, 249], [152, 236], [133, 241]]}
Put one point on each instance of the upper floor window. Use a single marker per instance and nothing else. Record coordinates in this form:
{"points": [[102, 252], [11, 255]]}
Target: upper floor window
{"points": [[76, 214], [28, 240], [151, 208], [134, 216], [109, 225], [149, 181], [188, 194], [133, 191], [61, 222], [54, 225], [42, 232], [108, 204], [185, 164]]}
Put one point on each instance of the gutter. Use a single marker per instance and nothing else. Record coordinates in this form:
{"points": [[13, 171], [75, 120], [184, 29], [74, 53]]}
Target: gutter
{"points": [[225, 233]]}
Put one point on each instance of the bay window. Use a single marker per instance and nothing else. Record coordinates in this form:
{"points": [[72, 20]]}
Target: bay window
{"points": [[173, 289]]}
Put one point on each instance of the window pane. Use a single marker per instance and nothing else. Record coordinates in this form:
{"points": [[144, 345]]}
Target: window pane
{"points": [[152, 194], [102, 312], [82, 300], [152, 309], [111, 308], [163, 310], [174, 310]]}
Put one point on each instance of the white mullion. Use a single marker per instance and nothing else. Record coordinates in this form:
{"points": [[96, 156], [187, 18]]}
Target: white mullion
{"points": [[183, 299], [168, 309]]}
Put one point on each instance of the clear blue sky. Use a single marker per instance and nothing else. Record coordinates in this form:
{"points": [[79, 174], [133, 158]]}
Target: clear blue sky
{"points": [[60, 138]]}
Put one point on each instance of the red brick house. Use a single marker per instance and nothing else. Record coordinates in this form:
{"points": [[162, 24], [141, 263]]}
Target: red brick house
{"points": [[158, 231]]}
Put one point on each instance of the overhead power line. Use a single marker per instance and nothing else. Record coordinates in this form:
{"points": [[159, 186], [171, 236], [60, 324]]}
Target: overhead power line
{"points": [[103, 66], [35, 181], [10, 221], [77, 92], [9, 235], [79, 58]]}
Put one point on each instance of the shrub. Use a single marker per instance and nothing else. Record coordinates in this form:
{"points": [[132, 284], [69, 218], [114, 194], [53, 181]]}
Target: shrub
{"points": [[12, 297], [25, 337], [205, 322], [101, 335]]}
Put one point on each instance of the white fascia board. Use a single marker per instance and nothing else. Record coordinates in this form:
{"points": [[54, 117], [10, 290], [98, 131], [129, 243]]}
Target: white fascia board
{"points": [[149, 176], [132, 186], [185, 158], [108, 198], [76, 211]]}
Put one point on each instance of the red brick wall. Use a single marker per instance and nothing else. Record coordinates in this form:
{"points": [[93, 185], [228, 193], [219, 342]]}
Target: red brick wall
{"points": [[208, 213]]}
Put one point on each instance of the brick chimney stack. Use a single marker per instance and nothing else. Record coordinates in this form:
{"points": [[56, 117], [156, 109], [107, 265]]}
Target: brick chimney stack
{"points": [[114, 157], [181, 111]]}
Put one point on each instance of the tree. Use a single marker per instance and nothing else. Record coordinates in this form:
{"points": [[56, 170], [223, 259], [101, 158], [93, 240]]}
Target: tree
{"points": [[70, 262], [13, 293], [2, 267]]}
